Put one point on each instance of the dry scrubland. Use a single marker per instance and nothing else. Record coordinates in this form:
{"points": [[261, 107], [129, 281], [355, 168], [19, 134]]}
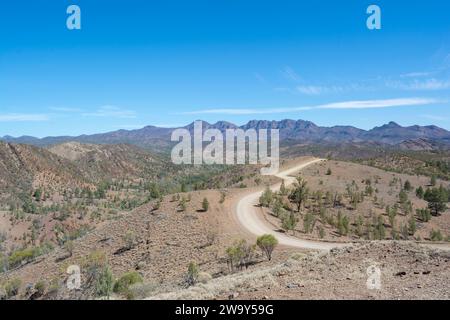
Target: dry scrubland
{"points": [[408, 271], [348, 202], [178, 247], [156, 240]]}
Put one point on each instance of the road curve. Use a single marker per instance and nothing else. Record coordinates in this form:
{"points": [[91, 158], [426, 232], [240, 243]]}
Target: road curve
{"points": [[249, 215]]}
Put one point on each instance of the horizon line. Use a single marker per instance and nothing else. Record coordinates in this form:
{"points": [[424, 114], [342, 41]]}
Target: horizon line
{"points": [[219, 121]]}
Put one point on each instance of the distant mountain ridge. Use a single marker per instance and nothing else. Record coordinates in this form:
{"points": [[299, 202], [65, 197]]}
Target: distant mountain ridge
{"points": [[158, 139]]}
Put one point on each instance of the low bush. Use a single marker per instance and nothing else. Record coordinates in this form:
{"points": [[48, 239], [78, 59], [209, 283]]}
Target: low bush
{"points": [[128, 279]]}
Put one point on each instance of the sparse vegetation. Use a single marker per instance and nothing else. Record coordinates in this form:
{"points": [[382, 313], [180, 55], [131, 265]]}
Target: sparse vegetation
{"points": [[240, 255], [266, 198], [105, 282], [436, 235], [299, 193], [205, 204], [289, 221], [192, 274], [12, 287], [267, 244], [123, 284], [437, 199]]}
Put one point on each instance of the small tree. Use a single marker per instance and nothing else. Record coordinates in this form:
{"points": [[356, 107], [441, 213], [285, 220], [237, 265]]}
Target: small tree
{"points": [[192, 274], [283, 189], [403, 196], [308, 222], [392, 213], [105, 282], [405, 232], [379, 229], [437, 199], [205, 204], [222, 197], [328, 172], [288, 221], [246, 253], [130, 239], [69, 246], [267, 244], [435, 235], [12, 287], [277, 207], [233, 257], [424, 214], [412, 225], [342, 224], [300, 193], [359, 226], [321, 232], [40, 288], [433, 180], [182, 204], [37, 194], [419, 192], [266, 198], [407, 186]]}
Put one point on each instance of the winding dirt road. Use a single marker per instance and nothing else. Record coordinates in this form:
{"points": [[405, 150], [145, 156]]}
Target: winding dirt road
{"points": [[250, 217]]}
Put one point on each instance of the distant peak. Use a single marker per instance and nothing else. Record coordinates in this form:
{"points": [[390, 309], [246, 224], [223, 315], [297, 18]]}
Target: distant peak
{"points": [[393, 124]]}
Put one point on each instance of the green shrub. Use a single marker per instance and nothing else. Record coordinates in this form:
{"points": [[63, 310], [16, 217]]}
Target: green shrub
{"points": [[105, 282], [28, 254], [141, 290], [266, 198], [125, 281], [21, 256], [130, 239], [321, 232], [12, 287], [40, 287], [192, 274], [424, 214], [436, 235], [205, 205]]}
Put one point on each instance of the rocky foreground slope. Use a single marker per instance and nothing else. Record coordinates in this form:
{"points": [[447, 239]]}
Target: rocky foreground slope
{"points": [[408, 271]]}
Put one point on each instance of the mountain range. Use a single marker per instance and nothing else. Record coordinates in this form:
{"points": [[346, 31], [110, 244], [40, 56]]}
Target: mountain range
{"points": [[291, 131]]}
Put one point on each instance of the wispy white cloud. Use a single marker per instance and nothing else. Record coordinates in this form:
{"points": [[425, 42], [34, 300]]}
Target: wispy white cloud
{"points": [[373, 104], [64, 109], [289, 73], [23, 117], [111, 112], [423, 85], [417, 74], [357, 104], [317, 90]]}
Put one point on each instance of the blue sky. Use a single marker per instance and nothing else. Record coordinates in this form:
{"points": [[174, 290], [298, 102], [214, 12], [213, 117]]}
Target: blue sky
{"points": [[167, 63]]}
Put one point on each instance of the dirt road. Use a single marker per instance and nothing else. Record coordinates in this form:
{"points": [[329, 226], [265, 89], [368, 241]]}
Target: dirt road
{"points": [[250, 216]]}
